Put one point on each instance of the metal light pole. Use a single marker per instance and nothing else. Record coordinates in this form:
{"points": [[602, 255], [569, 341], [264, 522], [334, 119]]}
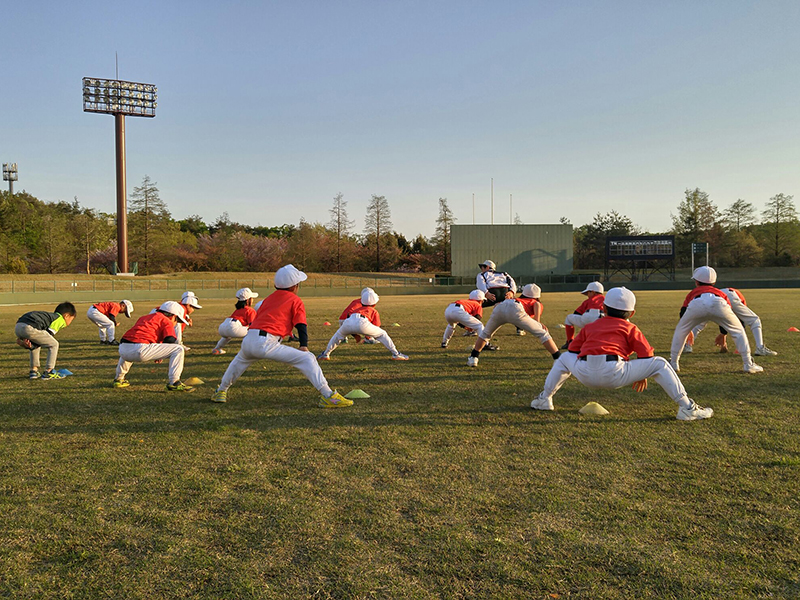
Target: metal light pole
{"points": [[120, 98], [10, 175]]}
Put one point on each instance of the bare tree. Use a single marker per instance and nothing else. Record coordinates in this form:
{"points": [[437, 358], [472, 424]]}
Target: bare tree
{"points": [[148, 212], [378, 223], [778, 216], [739, 215], [340, 225]]}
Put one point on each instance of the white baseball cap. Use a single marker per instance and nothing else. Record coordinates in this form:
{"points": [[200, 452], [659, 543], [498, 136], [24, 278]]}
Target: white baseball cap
{"points": [[245, 294], [705, 275], [488, 263], [477, 295], [595, 286], [369, 297], [173, 308], [620, 298], [532, 291], [288, 276], [189, 299], [128, 307]]}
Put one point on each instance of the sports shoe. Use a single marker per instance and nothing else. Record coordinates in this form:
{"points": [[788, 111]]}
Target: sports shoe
{"points": [[113, 343], [220, 396], [688, 349], [369, 340], [121, 383], [399, 356], [694, 412], [444, 344], [675, 366], [47, 375], [335, 401], [542, 403], [472, 361], [521, 332], [753, 368], [566, 345], [179, 386], [345, 341], [470, 333], [216, 352], [764, 351], [491, 347], [103, 343], [323, 356]]}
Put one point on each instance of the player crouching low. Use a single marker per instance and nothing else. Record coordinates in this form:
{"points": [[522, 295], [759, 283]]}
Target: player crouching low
{"points": [[589, 311], [464, 313], [522, 312], [598, 357], [237, 325], [152, 338], [364, 320]]}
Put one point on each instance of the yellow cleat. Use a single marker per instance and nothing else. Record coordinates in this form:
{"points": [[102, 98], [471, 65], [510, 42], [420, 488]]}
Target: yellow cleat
{"points": [[335, 401], [121, 383]]}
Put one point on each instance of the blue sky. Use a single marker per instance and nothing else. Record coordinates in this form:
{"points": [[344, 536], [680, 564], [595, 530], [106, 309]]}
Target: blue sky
{"points": [[268, 109]]}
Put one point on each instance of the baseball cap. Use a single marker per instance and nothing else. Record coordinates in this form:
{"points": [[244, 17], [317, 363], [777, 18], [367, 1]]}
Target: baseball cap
{"points": [[477, 295], [245, 294], [532, 291], [189, 299], [620, 298], [288, 276], [595, 286], [369, 297], [173, 308], [488, 263], [128, 307], [705, 275]]}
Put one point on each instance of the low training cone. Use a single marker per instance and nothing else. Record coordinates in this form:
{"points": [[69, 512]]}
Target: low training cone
{"points": [[793, 329], [327, 323], [395, 324], [593, 408], [194, 381], [355, 394]]}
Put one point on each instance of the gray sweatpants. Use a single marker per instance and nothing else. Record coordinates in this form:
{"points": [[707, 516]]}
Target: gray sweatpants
{"points": [[41, 338]]}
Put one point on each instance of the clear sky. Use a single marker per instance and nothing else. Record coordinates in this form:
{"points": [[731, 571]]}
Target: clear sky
{"points": [[267, 110]]}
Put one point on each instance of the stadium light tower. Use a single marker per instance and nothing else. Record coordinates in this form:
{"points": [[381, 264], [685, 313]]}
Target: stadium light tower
{"points": [[120, 98], [10, 175]]}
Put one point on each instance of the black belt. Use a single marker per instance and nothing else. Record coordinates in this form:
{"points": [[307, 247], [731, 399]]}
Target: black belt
{"points": [[458, 305], [262, 333], [609, 357], [124, 341]]}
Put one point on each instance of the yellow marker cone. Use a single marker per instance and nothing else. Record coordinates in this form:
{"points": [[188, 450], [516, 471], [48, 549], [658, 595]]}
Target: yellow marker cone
{"points": [[194, 381], [593, 408], [395, 324], [355, 394]]}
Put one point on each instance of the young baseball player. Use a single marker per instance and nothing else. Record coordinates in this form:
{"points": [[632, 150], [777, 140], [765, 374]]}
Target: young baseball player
{"points": [[523, 312], [238, 323], [599, 358], [346, 313], [37, 329], [104, 315], [745, 315], [363, 319], [152, 338], [281, 311], [466, 313], [589, 311], [708, 303]]}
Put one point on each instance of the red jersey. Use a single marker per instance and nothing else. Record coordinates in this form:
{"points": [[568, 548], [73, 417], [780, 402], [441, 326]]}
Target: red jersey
{"points": [[185, 316], [472, 307], [368, 311], [590, 303], [244, 315], [109, 309], [738, 293], [349, 310], [279, 313], [529, 304], [704, 289], [611, 335], [151, 329]]}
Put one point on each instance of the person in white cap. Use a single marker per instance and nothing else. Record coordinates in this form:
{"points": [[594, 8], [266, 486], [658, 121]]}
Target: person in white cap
{"points": [[599, 357], [464, 313], [104, 315], [524, 313], [363, 320], [152, 338], [497, 286], [708, 303], [190, 303], [279, 313], [745, 315], [589, 311], [238, 323]]}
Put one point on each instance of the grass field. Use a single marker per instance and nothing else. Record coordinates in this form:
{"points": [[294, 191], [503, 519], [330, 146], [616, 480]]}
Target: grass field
{"points": [[443, 484]]}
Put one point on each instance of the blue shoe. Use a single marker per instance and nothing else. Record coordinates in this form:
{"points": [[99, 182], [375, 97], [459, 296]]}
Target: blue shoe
{"points": [[47, 375]]}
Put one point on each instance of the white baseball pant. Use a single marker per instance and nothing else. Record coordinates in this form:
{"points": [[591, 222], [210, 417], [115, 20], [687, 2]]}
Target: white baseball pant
{"points": [[131, 353], [745, 315], [456, 314], [357, 323], [229, 329], [709, 307], [257, 347], [106, 325], [511, 311], [598, 372], [590, 316]]}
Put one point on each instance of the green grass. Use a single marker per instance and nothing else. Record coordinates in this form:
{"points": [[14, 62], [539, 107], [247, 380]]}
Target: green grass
{"points": [[443, 484]]}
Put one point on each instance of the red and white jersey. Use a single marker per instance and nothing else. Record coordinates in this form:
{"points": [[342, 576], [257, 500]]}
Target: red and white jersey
{"points": [[611, 335], [109, 309], [529, 304], [185, 316], [368, 311], [350, 308], [704, 289], [729, 290], [279, 313], [152, 328], [590, 303], [472, 307], [244, 315]]}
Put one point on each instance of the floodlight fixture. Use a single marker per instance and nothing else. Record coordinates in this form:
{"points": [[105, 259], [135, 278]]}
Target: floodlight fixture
{"points": [[120, 98], [10, 175]]}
